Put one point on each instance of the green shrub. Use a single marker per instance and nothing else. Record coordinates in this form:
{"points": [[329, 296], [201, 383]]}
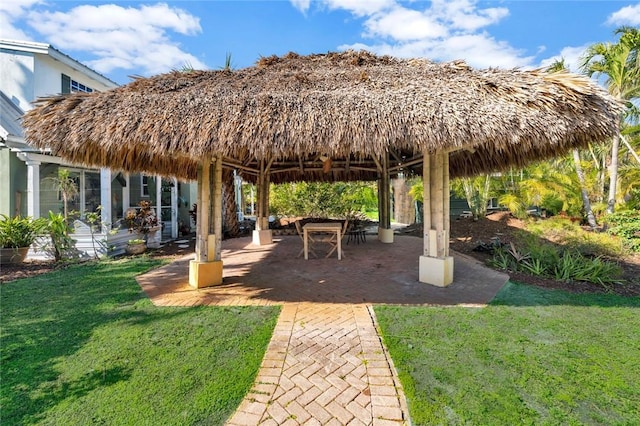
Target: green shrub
{"points": [[626, 225], [16, 232], [61, 245], [544, 260]]}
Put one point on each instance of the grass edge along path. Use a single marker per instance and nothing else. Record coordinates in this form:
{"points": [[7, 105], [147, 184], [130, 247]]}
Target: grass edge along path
{"points": [[84, 345], [533, 356]]}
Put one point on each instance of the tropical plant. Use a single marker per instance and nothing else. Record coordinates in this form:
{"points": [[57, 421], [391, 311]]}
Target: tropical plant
{"points": [[142, 219], [94, 220], [618, 64], [61, 244], [546, 185], [321, 199], [544, 260], [477, 191], [67, 186], [626, 225], [18, 232], [560, 66]]}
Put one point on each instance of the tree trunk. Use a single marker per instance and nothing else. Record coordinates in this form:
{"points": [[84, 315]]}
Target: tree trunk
{"points": [[613, 175], [230, 216], [633, 153], [403, 208], [583, 190]]}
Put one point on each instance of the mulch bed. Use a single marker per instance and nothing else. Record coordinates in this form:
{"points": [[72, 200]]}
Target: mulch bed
{"points": [[466, 235]]}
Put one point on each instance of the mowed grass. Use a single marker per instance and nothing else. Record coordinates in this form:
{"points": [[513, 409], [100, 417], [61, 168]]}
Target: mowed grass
{"points": [[84, 346], [533, 357]]}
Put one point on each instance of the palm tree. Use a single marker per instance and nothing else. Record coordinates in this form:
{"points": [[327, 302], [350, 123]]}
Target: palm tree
{"points": [[620, 65], [67, 187], [558, 66]]}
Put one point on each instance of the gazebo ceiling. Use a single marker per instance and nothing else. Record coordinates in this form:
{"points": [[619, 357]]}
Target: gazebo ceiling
{"points": [[292, 112]]}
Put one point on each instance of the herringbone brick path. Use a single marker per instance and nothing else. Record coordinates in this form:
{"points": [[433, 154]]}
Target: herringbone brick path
{"points": [[325, 365]]}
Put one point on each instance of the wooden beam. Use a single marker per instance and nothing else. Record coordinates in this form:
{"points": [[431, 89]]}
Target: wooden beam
{"points": [[239, 166], [405, 165], [378, 164], [395, 155]]}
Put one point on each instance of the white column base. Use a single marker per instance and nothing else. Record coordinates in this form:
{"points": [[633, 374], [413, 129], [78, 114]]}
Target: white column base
{"points": [[262, 237], [436, 271], [385, 235]]}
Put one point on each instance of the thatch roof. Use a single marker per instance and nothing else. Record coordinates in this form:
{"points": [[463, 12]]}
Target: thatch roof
{"points": [[351, 107]]}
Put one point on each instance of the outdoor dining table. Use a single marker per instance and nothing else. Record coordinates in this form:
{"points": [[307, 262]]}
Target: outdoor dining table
{"points": [[311, 228]]}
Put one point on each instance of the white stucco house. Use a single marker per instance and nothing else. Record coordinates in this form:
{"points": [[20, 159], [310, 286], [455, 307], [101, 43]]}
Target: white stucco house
{"points": [[29, 70]]}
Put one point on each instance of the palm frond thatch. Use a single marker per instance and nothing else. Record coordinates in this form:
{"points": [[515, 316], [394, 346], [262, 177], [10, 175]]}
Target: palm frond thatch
{"points": [[350, 106]]}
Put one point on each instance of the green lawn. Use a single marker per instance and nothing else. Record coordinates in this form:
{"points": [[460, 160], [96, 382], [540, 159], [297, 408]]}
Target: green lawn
{"points": [[532, 357], [84, 346]]}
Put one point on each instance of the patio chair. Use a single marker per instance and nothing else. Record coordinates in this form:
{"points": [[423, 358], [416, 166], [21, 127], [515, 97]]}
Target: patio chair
{"points": [[301, 235], [357, 234], [333, 241]]}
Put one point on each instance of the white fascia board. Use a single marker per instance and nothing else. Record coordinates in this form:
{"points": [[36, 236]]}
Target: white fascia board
{"points": [[24, 46], [47, 49], [72, 63], [18, 144]]}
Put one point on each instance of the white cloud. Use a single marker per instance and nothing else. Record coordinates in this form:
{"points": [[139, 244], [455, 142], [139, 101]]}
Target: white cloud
{"points": [[10, 12], [446, 30], [464, 15], [478, 50], [628, 15], [301, 5], [360, 8], [121, 38], [405, 24]]}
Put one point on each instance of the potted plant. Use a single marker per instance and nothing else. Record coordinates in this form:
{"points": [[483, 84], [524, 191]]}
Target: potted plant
{"points": [[140, 221], [16, 236]]}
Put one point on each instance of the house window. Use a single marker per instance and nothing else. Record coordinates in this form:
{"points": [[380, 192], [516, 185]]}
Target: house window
{"points": [[69, 85], [144, 185]]}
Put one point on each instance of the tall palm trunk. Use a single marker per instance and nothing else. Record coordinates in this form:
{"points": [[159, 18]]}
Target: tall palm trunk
{"points": [[230, 216], [613, 175], [583, 190]]}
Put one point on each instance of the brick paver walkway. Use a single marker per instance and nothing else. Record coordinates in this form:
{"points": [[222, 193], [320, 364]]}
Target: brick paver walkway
{"points": [[325, 365]]}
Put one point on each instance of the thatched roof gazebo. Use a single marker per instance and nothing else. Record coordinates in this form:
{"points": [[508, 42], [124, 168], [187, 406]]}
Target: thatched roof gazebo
{"points": [[336, 116]]}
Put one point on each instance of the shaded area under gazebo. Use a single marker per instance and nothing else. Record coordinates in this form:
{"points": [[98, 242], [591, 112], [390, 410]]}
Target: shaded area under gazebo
{"points": [[371, 273]]}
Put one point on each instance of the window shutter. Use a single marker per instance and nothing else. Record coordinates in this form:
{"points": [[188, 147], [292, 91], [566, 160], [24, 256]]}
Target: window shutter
{"points": [[66, 84]]}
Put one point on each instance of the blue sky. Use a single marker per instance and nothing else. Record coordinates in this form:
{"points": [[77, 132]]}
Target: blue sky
{"points": [[120, 38]]}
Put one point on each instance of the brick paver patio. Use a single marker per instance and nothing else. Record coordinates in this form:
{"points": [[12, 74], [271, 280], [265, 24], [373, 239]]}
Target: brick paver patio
{"points": [[325, 364]]}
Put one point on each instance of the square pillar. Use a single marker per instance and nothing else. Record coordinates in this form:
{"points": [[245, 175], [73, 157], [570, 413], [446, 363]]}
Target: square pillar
{"points": [[205, 274], [436, 266], [33, 188], [436, 271]]}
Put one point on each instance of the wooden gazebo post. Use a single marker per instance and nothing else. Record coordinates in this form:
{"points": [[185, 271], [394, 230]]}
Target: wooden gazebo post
{"points": [[206, 269], [385, 233], [262, 234], [436, 266]]}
